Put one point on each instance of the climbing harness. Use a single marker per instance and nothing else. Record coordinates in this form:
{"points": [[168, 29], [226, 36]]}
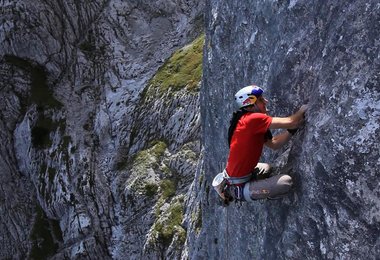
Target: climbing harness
{"points": [[232, 188]]}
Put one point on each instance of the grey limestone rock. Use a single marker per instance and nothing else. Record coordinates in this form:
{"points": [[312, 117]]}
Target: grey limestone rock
{"points": [[326, 54], [98, 161], [78, 178]]}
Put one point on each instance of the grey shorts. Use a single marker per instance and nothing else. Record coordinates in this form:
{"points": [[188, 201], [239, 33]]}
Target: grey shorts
{"points": [[265, 186]]}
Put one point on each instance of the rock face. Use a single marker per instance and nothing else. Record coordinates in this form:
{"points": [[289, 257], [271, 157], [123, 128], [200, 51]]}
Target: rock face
{"points": [[102, 154], [91, 165], [322, 53]]}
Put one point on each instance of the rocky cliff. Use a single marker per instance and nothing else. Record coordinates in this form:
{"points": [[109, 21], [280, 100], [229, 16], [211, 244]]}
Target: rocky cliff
{"points": [[102, 154], [99, 127], [326, 54]]}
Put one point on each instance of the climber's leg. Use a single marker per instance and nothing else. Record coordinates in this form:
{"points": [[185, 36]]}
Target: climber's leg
{"points": [[271, 187]]}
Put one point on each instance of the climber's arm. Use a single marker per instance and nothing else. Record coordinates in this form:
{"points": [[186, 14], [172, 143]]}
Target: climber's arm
{"points": [[279, 140], [290, 122]]}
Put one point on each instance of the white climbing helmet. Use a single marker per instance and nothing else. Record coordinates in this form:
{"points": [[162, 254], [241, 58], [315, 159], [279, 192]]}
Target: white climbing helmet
{"points": [[247, 96]]}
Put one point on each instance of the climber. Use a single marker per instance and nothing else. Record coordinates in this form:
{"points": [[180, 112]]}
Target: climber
{"points": [[245, 179]]}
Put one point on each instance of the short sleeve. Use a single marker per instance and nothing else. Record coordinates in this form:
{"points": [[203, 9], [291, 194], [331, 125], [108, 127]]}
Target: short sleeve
{"points": [[259, 122]]}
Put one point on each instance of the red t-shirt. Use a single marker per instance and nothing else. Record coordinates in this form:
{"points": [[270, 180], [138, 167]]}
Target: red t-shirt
{"points": [[247, 143]]}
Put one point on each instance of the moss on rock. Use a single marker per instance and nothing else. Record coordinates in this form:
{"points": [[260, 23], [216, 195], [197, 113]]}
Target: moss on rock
{"points": [[151, 189], [168, 188], [168, 224], [145, 159], [183, 69], [143, 162]]}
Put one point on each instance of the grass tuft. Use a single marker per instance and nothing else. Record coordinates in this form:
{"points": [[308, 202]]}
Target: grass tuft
{"points": [[183, 69]]}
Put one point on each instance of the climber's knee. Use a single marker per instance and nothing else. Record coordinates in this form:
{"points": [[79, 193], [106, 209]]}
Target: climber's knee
{"points": [[268, 188]]}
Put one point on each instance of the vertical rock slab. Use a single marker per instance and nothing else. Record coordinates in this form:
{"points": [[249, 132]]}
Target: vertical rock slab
{"points": [[322, 53]]}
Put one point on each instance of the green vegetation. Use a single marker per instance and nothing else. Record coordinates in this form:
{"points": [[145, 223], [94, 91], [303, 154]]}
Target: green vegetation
{"points": [[151, 189], [183, 69], [169, 208], [158, 149], [144, 159], [168, 188], [142, 162], [170, 224], [165, 169]]}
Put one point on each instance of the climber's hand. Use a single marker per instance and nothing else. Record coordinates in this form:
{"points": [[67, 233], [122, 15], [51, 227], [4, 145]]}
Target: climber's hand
{"points": [[303, 108]]}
